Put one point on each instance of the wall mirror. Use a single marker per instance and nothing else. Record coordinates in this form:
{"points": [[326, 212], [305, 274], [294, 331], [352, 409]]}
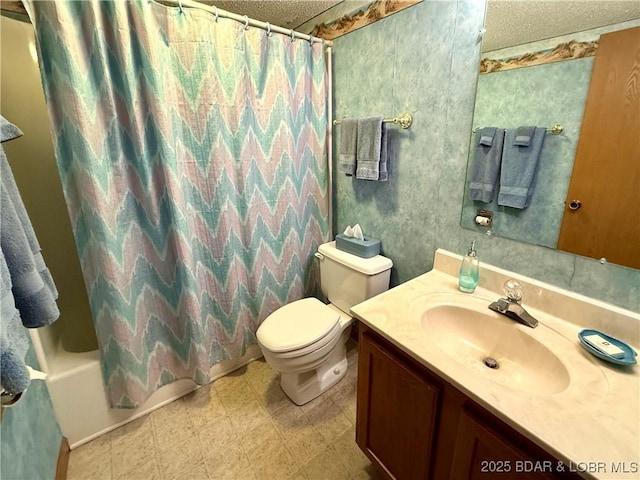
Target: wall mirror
{"points": [[540, 59]]}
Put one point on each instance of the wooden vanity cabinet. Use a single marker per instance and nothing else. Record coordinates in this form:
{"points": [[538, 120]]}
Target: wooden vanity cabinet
{"points": [[414, 425], [397, 410]]}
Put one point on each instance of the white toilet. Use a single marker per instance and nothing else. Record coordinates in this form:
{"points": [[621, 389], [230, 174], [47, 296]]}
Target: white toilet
{"points": [[305, 340]]}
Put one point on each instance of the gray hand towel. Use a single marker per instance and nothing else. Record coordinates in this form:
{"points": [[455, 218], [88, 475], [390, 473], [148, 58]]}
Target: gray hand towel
{"points": [[523, 136], [348, 146], [372, 149], [487, 136], [485, 165], [519, 169]]}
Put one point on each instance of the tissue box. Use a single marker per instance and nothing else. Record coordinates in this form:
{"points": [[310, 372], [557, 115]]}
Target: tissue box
{"points": [[367, 248]]}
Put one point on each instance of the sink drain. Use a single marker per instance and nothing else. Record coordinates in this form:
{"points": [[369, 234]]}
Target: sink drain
{"points": [[491, 362]]}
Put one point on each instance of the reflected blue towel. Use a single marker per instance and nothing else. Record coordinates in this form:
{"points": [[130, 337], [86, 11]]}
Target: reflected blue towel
{"points": [[485, 165], [372, 149], [348, 146], [519, 169]]}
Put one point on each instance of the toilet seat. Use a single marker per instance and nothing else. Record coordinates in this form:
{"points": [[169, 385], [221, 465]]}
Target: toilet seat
{"points": [[297, 325]]}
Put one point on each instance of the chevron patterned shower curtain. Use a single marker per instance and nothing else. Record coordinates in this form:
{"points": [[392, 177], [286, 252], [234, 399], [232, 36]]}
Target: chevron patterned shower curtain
{"points": [[192, 157]]}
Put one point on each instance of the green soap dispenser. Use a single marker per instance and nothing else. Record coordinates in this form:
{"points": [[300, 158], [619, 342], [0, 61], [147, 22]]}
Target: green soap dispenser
{"points": [[469, 270]]}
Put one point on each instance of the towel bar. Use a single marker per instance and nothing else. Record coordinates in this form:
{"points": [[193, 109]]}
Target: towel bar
{"points": [[404, 120], [555, 130]]}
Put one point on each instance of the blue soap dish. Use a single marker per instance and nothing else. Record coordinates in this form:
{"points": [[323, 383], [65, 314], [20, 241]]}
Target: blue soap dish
{"points": [[629, 353]]}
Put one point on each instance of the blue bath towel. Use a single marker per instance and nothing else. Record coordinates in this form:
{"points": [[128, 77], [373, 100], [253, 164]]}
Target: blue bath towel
{"points": [[32, 285], [348, 146], [485, 165], [372, 149], [519, 169], [14, 376]]}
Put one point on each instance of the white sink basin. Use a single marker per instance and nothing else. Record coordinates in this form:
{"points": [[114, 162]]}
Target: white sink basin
{"points": [[465, 329]]}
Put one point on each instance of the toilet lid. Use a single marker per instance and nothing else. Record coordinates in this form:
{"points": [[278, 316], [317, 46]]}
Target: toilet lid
{"points": [[297, 325]]}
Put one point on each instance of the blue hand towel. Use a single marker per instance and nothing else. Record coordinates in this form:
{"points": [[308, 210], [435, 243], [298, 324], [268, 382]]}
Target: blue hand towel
{"points": [[485, 165], [523, 136], [372, 149], [33, 289], [348, 146], [519, 169], [14, 376]]}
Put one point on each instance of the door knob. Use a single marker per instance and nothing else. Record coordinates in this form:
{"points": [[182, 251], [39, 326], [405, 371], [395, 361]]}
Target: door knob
{"points": [[575, 204]]}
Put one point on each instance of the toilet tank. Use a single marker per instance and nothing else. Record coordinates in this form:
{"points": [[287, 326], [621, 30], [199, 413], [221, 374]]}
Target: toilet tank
{"points": [[347, 280]]}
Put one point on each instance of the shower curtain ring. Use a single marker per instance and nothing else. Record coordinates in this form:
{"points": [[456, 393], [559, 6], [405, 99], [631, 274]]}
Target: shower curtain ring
{"points": [[269, 30], [292, 37], [246, 22], [216, 13], [180, 6]]}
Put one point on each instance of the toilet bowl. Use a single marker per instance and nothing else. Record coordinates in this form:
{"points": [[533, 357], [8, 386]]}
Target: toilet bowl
{"points": [[305, 340]]}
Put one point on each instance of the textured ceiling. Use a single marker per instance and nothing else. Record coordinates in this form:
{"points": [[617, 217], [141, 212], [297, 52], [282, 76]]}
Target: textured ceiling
{"points": [[512, 22], [283, 13], [509, 22]]}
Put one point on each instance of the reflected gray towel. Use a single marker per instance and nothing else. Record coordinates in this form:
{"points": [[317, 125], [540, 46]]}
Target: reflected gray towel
{"points": [[372, 149], [519, 169], [485, 165], [523, 136], [348, 146]]}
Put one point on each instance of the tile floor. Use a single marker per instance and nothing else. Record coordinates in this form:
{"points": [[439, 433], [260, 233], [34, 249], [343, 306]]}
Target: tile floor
{"points": [[241, 426]]}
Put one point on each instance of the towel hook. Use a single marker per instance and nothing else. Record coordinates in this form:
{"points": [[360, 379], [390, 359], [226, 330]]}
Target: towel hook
{"points": [[269, 34], [292, 37], [246, 22]]}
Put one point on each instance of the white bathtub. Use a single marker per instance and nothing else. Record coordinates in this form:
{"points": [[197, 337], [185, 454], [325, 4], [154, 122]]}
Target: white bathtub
{"points": [[77, 391]]}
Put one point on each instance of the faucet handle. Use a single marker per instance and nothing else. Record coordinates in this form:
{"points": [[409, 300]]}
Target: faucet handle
{"points": [[513, 290]]}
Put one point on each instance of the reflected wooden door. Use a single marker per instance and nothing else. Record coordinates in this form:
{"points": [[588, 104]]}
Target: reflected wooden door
{"points": [[606, 173]]}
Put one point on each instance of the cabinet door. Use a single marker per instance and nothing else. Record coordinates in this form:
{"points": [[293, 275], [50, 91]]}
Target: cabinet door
{"points": [[481, 453], [396, 412]]}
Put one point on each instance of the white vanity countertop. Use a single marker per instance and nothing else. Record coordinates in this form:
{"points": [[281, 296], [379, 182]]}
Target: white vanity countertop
{"points": [[593, 425]]}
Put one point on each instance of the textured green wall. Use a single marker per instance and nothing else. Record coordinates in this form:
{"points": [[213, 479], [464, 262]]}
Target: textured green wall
{"points": [[424, 60]]}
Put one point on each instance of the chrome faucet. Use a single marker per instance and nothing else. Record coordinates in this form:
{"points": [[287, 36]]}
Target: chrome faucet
{"points": [[511, 307]]}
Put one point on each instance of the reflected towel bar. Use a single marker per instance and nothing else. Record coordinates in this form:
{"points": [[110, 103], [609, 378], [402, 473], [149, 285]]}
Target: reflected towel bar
{"points": [[555, 130], [404, 120]]}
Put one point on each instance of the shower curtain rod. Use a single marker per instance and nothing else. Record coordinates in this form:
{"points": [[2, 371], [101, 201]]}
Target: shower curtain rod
{"points": [[249, 22]]}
